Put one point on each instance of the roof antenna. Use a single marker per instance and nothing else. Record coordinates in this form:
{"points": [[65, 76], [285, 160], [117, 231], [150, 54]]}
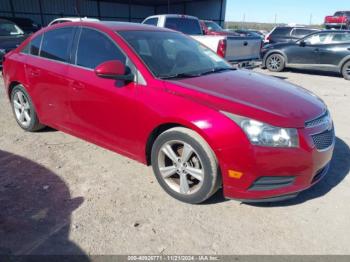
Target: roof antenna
{"points": [[77, 9]]}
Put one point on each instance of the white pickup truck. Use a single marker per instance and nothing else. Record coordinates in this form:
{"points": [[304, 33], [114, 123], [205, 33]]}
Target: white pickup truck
{"points": [[232, 47]]}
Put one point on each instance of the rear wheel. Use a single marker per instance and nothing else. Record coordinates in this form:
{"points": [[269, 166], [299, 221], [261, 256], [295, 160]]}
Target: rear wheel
{"points": [[23, 110], [185, 166], [275, 63], [346, 70]]}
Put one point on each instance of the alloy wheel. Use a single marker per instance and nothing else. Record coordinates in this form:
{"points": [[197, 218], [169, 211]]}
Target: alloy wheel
{"points": [[22, 108], [274, 62], [181, 167]]}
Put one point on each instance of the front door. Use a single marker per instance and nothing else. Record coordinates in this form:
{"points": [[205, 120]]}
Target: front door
{"points": [[104, 111]]}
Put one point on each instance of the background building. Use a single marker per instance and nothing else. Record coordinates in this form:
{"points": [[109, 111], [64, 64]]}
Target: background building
{"points": [[43, 11]]}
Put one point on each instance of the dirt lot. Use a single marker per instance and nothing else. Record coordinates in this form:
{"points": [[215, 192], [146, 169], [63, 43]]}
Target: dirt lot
{"points": [[60, 195]]}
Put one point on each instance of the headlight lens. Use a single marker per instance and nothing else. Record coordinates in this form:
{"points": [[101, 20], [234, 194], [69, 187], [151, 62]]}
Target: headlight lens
{"points": [[264, 134]]}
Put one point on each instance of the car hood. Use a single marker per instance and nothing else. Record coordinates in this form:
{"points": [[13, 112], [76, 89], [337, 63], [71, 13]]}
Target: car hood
{"points": [[11, 42], [252, 95]]}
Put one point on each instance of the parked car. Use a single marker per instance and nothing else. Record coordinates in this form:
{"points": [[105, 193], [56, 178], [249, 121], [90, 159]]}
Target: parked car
{"points": [[340, 20], [72, 19], [233, 49], [283, 34], [10, 37], [325, 50], [27, 25], [159, 97]]}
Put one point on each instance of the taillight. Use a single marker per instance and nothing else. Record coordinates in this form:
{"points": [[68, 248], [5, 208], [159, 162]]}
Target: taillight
{"points": [[222, 48]]}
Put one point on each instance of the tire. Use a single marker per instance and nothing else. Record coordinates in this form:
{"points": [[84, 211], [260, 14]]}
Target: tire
{"points": [[174, 174], [23, 110], [275, 63], [346, 70]]}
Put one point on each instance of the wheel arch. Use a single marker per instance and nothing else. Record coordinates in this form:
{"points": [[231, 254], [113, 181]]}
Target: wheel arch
{"points": [[11, 86], [343, 62]]}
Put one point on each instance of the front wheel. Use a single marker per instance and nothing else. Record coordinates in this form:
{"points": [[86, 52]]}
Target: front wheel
{"points": [[185, 166], [275, 63], [346, 70]]}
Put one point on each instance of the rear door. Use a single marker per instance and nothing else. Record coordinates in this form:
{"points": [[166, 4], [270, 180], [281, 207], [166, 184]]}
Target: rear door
{"points": [[46, 71], [336, 49]]}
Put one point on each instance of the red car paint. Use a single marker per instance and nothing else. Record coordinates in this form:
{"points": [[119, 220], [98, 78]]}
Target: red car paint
{"points": [[78, 102]]}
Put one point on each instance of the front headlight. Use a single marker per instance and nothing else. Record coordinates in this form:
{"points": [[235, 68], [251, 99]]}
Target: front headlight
{"points": [[262, 134]]}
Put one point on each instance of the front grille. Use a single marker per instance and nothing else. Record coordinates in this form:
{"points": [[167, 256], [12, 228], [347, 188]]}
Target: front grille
{"points": [[323, 119], [271, 182], [324, 140]]}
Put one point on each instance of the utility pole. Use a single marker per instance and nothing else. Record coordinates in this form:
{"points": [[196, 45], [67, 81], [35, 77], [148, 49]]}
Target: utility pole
{"points": [[243, 21], [310, 19], [275, 19]]}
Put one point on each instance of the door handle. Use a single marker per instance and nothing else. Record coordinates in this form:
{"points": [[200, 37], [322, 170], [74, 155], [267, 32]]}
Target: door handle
{"points": [[34, 72], [316, 50], [78, 85], [245, 43]]}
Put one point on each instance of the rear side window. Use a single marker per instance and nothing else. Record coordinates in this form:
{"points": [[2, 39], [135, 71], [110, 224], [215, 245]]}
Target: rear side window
{"points": [[185, 25], [282, 31], [95, 48], [151, 21], [341, 38], [301, 32], [57, 43], [35, 45]]}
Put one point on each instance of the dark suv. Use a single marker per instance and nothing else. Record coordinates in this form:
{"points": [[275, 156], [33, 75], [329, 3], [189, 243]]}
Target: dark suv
{"points": [[283, 34]]}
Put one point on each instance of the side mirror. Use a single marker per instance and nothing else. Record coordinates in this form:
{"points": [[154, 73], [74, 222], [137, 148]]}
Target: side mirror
{"points": [[302, 43], [114, 69]]}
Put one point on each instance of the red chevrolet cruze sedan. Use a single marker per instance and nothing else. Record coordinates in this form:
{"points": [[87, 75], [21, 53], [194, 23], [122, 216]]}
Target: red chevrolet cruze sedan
{"points": [[165, 100]]}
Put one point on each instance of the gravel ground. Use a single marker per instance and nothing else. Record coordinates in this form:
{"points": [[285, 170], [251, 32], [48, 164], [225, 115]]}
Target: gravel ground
{"points": [[61, 195]]}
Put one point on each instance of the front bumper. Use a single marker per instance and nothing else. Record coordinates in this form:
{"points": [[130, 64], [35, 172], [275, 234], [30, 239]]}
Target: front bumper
{"points": [[291, 170]]}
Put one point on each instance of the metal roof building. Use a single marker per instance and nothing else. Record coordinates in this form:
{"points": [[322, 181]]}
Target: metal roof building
{"points": [[43, 11]]}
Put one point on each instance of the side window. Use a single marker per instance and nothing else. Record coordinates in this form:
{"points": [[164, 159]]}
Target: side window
{"points": [[95, 48], [34, 46], [57, 43], [341, 38], [318, 39], [151, 21]]}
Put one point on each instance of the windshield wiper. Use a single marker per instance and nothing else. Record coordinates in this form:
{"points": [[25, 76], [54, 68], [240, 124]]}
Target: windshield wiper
{"points": [[181, 75], [218, 70]]}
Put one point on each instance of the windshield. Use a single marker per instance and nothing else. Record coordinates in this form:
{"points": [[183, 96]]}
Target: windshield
{"points": [[213, 26], [9, 29], [171, 55]]}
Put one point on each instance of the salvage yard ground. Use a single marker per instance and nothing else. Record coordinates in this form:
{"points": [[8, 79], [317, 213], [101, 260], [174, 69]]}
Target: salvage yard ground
{"points": [[59, 195]]}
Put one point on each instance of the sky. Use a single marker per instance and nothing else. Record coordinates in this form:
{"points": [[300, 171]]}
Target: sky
{"points": [[287, 11]]}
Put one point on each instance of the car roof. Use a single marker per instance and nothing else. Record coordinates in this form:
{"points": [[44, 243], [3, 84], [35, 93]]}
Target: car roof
{"points": [[5, 20], [113, 25], [173, 16]]}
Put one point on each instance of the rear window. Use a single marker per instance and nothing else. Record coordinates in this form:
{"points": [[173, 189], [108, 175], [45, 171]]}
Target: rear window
{"points": [[339, 14], [283, 31], [187, 26]]}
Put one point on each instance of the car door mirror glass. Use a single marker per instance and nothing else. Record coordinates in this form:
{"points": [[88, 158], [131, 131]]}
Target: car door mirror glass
{"points": [[302, 43], [114, 69]]}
